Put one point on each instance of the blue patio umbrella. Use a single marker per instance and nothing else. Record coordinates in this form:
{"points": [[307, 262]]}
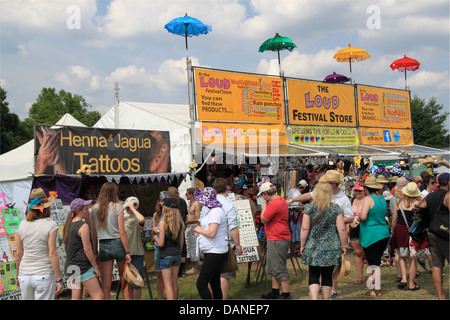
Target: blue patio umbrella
{"points": [[187, 27]]}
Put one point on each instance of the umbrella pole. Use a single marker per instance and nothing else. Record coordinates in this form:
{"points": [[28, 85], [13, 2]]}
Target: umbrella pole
{"points": [[350, 61], [186, 40], [406, 84], [279, 62]]}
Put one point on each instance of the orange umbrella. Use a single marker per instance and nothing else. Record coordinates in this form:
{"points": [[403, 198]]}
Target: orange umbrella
{"points": [[351, 54]]}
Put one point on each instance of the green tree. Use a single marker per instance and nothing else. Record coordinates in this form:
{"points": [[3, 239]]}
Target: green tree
{"points": [[13, 133], [50, 106], [428, 122]]}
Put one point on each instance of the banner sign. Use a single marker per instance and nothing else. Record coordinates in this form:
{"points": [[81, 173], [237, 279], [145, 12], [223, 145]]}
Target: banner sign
{"points": [[383, 107], [238, 97], [242, 133], [385, 136], [319, 103], [323, 135], [107, 151]]}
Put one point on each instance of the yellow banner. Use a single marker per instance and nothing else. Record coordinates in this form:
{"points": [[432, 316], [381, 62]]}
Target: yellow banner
{"points": [[383, 107], [319, 103], [242, 134], [385, 136], [320, 136], [238, 97]]}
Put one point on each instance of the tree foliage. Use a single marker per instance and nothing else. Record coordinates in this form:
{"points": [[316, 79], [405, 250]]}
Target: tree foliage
{"points": [[50, 106], [428, 122], [13, 133]]}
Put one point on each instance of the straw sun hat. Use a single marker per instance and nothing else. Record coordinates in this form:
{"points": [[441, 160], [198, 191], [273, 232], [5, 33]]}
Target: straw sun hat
{"points": [[371, 182], [411, 190], [39, 200], [132, 275], [332, 176]]}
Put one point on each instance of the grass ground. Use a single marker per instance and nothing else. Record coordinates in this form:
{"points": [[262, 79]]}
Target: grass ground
{"points": [[347, 290]]}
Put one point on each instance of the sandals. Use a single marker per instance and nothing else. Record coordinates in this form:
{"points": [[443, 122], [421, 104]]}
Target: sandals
{"points": [[416, 287], [357, 282], [374, 293], [402, 285]]}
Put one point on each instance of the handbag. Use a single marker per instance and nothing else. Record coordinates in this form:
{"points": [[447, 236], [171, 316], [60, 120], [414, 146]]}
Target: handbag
{"points": [[417, 248], [230, 263]]}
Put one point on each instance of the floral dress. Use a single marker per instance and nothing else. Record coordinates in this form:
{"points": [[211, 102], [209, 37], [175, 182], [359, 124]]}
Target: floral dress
{"points": [[323, 247]]}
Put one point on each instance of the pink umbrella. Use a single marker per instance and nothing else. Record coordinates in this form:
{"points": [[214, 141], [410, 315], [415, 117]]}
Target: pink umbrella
{"points": [[404, 64]]}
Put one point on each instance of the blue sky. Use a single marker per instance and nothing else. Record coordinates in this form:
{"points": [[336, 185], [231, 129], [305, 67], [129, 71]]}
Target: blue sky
{"points": [[85, 46]]}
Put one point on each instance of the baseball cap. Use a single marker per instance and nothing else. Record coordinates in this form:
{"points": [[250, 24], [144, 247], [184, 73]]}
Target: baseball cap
{"points": [[267, 186], [132, 200], [78, 203], [444, 177], [302, 183], [171, 203]]}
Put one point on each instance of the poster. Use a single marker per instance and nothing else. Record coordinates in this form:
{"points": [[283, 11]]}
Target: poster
{"points": [[11, 220], [238, 97], [323, 135], [385, 136], [8, 276], [383, 107], [106, 151], [319, 103], [2, 201]]}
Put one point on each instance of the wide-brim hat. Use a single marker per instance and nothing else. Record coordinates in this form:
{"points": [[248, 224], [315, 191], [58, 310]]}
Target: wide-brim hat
{"points": [[382, 179], [332, 176], [39, 200], [428, 160], [411, 190], [344, 268], [371, 182], [207, 197], [443, 163], [132, 275]]}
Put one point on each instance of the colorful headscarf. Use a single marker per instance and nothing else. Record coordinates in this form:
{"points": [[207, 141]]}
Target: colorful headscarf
{"points": [[163, 195]]}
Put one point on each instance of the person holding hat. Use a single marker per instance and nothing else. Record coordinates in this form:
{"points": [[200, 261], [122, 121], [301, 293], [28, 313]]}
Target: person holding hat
{"points": [[212, 243], [400, 241], [275, 217], [434, 210], [170, 240], [108, 228], [134, 223], [374, 232], [37, 262], [80, 256]]}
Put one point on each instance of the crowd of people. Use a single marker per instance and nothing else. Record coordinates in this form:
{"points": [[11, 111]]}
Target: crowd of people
{"points": [[319, 221]]}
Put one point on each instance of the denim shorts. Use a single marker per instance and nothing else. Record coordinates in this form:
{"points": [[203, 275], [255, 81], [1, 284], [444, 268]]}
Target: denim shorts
{"points": [[111, 249], [170, 261], [88, 274]]}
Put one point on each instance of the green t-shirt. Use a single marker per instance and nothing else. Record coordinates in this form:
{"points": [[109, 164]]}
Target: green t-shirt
{"points": [[374, 228]]}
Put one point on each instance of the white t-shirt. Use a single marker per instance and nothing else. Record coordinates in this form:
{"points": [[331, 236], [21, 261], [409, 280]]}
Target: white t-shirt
{"points": [[343, 202], [34, 236], [218, 244], [294, 192]]}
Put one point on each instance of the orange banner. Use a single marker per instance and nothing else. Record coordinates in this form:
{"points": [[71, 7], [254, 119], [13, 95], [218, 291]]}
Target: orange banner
{"points": [[319, 103], [383, 107], [238, 97], [385, 136]]}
